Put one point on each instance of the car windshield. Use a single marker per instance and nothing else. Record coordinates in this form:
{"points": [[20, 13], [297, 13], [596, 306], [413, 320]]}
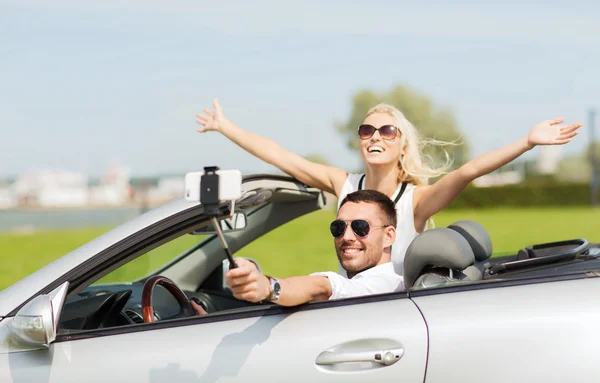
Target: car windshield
{"points": [[152, 260], [159, 257]]}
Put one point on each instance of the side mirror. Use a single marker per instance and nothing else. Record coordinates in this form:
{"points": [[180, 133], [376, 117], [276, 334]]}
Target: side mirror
{"points": [[36, 324], [235, 223]]}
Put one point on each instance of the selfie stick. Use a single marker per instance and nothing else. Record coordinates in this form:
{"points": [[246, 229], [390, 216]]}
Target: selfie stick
{"points": [[209, 196]]}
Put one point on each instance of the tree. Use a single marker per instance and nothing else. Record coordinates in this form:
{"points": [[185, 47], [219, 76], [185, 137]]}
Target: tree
{"points": [[578, 168], [430, 121], [595, 150], [574, 169]]}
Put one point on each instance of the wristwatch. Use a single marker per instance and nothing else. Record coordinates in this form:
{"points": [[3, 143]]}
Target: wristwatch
{"points": [[275, 289]]}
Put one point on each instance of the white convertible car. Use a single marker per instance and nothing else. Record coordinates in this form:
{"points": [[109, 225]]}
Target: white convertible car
{"points": [[533, 316]]}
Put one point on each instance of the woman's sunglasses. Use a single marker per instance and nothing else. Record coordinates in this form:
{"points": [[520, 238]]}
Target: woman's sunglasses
{"points": [[360, 227], [387, 132]]}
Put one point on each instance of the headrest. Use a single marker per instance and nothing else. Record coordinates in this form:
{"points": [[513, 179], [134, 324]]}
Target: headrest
{"points": [[439, 247], [477, 236]]}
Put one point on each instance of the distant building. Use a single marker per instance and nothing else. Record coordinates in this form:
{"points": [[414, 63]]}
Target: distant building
{"points": [[51, 188], [114, 189], [575, 168], [499, 179], [8, 199], [168, 188], [548, 159]]}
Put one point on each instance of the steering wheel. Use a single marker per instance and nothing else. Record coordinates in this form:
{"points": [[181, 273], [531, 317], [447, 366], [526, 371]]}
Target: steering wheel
{"points": [[185, 306]]}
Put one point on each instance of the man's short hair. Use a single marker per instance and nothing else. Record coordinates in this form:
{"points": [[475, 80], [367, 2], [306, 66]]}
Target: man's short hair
{"points": [[384, 203]]}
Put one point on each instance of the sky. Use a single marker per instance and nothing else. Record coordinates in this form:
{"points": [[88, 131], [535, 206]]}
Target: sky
{"points": [[86, 85]]}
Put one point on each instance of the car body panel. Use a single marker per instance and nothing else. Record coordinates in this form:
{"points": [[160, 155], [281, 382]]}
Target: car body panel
{"points": [[539, 332], [283, 347]]}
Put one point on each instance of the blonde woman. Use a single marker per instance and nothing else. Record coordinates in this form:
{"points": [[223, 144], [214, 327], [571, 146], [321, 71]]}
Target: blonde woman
{"points": [[391, 149]]}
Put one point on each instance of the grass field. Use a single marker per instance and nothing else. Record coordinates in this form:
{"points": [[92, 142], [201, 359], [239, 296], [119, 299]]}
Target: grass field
{"points": [[304, 245]]}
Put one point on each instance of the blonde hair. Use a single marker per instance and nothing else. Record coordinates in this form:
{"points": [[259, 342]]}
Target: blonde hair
{"points": [[414, 166]]}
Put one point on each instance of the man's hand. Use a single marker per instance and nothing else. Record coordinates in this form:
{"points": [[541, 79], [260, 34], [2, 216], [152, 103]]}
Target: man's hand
{"points": [[199, 310], [247, 283]]}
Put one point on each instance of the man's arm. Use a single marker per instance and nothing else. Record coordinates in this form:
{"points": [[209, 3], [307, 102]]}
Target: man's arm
{"points": [[248, 284], [298, 290]]}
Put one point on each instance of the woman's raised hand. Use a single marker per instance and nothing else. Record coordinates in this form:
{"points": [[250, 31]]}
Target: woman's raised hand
{"points": [[211, 120], [550, 132]]}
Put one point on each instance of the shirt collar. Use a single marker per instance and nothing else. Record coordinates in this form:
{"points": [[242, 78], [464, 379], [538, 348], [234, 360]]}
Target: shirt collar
{"points": [[384, 268]]}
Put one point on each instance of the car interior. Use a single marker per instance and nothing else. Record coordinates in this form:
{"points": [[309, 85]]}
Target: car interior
{"points": [[462, 253], [458, 254]]}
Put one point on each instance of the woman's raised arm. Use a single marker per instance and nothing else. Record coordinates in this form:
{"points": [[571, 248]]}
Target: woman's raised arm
{"points": [[431, 199], [327, 178]]}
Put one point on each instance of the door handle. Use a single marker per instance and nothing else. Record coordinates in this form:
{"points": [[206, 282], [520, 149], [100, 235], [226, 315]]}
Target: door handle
{"points": [[384, 357]]}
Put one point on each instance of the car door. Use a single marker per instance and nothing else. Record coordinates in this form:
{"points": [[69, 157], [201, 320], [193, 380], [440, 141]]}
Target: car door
{"points": [[269, 344], [528, 330]]}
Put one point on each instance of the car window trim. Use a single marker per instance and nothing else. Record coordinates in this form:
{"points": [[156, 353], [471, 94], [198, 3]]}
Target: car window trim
{"points": [[159, 234], [191, 250]]}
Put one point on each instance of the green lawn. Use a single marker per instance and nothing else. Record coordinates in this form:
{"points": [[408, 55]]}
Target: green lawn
{"points": [[304, 245]]}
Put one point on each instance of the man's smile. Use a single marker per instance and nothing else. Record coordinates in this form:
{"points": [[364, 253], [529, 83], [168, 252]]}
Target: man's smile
{"points": [[351, 251]]}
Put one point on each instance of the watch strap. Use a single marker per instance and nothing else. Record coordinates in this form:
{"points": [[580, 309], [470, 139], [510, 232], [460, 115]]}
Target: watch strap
{"points": [[275, 289]]}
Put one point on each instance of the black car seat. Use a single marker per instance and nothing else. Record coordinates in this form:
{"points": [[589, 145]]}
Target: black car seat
{"points": [[437, 257], [481, 244]]}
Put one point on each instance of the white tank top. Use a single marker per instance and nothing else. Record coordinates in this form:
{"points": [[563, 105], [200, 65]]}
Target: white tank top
{"points": [[405, 229]]}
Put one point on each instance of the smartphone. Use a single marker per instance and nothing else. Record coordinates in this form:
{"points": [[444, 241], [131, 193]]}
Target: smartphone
{"points": [[230, 185]]}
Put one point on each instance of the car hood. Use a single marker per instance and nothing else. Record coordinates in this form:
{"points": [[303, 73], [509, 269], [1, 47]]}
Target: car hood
{"points": [[14, 295]]}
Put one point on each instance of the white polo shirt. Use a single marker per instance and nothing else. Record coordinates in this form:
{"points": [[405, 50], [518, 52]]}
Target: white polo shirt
{"points": [[376, 280]]}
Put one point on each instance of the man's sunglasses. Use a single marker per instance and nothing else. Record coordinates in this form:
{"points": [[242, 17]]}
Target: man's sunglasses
{"points": [[387, 132], [360, 227]]}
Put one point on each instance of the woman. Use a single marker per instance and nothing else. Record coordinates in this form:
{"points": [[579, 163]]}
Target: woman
{"points": [[391, 150]]}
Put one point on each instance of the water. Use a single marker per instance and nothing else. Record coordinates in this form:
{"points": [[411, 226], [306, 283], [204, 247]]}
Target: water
{"points": [[26, 220]]}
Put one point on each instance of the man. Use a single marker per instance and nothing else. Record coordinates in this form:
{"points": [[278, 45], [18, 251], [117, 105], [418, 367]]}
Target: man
{"points": [[363, 232]]}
